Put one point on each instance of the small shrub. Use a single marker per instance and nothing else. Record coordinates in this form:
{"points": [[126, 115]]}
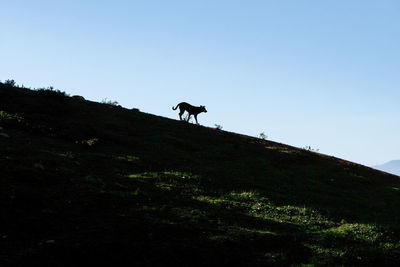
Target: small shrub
{"points": [[262, 136], [309, 148], [109, 102], [10, 83], [218, 126]]}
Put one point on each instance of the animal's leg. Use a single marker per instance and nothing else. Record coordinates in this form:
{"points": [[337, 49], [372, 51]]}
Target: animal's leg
{"points": [[195, 116], [188, 117], [180, 114]]}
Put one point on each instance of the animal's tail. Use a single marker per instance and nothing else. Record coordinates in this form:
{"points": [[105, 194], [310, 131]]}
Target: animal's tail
{"points": [[176, 107]]}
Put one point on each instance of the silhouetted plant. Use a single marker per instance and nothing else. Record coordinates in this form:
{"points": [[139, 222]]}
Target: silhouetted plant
{"points": [[262, 136], [218, 126], [109, 102], [309, 148], [10, 83]]}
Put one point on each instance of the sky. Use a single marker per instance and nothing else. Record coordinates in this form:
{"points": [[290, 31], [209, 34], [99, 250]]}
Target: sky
{"points": [[313, 73]]}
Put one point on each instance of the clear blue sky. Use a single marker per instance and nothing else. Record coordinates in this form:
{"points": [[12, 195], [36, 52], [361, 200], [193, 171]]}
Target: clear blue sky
{"points": [[318, 73]]}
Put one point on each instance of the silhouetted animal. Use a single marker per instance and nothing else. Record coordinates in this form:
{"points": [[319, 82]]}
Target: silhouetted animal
{"points": [[191, 110]]}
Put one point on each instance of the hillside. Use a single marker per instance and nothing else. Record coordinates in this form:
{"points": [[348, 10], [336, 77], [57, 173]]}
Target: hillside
{"points": [[91, 183]]}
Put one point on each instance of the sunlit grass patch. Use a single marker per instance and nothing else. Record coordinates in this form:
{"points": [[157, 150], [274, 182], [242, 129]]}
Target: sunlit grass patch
{"points": [[325, 253], [127, 158], [183, 175], [211, 200], [166, 175], [253, 204], [181, 183], [6, 116], [282, 149], [144, 175], [244, 196], [364, 232], [352, 241], [166, 186]]}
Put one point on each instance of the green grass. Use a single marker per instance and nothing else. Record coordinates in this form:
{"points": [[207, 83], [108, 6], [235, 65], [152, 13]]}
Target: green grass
{"points": [[91, 183]]}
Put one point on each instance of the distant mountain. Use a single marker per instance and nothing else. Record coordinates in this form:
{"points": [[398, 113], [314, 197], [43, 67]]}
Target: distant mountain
{"points": [[390, 167]]}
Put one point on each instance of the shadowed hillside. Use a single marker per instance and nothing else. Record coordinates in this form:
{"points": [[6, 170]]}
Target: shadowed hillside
{"points": [[91, 183]]}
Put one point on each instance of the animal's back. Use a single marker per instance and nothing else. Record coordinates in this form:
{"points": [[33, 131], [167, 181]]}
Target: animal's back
{"points": [[184, 104]]}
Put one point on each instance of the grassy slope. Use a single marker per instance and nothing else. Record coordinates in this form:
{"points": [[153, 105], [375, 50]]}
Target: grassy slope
{"points": [[111, 185]]}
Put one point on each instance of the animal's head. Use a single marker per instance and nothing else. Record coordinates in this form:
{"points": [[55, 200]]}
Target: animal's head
{"points": [[203, 108]]}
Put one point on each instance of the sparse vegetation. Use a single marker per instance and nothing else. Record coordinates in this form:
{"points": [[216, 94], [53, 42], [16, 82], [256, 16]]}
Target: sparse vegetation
{"points": [[218, 126], [262, 136], [309, 148], [82, 183], [10, 83], [51, 92], [109, 102]]}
